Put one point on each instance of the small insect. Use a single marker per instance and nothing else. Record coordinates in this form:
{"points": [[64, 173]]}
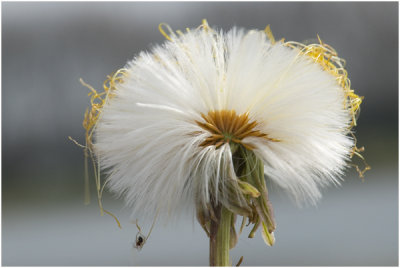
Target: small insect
{"points": [[141, 238]]}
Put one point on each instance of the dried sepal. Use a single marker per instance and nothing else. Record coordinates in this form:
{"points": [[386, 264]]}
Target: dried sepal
{"points": [[233, 237], [249, 189], [203, 219], [255, 227], [269, 237], [242, 225]]}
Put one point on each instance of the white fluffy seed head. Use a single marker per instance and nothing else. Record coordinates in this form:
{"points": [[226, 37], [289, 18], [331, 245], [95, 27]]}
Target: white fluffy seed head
{"points": [[148, 141]]}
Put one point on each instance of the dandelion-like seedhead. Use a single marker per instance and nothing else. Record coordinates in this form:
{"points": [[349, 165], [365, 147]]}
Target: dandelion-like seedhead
{"points": [[198, 121]]}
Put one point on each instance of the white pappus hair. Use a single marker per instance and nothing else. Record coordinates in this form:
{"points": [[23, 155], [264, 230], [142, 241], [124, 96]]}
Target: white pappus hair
{"points": [[149, 141]]}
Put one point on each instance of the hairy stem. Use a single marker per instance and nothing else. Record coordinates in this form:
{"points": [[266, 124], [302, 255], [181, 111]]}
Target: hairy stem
{"points": [[219, 237]]}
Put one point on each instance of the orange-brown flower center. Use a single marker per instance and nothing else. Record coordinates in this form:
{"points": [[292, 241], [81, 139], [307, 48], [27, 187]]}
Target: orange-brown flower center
{"points": [[226, 126]]}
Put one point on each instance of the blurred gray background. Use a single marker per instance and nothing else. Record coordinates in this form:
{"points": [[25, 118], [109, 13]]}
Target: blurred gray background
{"points": [[47, 47]]}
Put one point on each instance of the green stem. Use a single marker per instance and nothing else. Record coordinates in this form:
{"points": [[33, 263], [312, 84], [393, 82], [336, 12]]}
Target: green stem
{"points": [[219, 238]]}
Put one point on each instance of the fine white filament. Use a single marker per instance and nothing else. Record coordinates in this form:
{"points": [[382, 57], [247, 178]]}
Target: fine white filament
{"points": [[148, 140]]}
